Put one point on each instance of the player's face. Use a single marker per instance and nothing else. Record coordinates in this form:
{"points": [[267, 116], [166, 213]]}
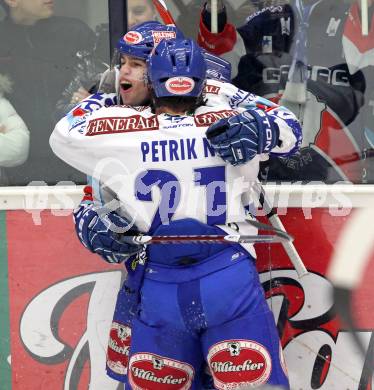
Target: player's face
{"points": [[30, 11], [139, 11], [133, 87]]}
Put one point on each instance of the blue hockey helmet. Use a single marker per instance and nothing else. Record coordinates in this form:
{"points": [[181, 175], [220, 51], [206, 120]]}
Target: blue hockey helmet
{"points": [[143, 37], [177, 67]]}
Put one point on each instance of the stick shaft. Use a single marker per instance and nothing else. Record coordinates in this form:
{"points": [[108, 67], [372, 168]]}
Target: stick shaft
{"points": [[288, 246], [163, 11], [207, 239], [364, 17], [214, 17]]}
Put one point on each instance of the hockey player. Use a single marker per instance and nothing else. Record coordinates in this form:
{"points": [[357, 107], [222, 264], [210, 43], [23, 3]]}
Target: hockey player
{"points": [[125, 84], [93, 63], [198, 302], [88, 224]]}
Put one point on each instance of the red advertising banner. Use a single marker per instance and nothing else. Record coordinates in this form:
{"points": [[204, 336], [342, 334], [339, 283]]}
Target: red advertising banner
{"points": [[319, 350], [61, 301]]}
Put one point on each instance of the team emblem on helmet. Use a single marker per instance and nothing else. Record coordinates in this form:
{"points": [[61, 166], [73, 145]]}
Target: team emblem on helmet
{"points": [[158, 36], [133, 37], [179, 85]]}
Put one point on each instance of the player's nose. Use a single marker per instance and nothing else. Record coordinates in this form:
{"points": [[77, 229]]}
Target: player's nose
{"points": [[125, 69]]}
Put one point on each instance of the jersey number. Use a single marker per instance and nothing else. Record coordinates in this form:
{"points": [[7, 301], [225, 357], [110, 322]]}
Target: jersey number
{"points": [[213, 178]]}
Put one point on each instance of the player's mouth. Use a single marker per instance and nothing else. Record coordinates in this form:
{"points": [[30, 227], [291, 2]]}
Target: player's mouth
{"points": [[125, 86]]}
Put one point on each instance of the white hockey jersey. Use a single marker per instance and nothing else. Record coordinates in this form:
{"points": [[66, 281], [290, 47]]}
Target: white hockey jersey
{"points": [[215, 93], [160, 166]]}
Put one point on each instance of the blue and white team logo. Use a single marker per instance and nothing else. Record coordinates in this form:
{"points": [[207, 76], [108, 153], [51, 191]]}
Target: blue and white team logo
{"points": [[267, 44], [174, 119], [76, 117], [243, 99]]}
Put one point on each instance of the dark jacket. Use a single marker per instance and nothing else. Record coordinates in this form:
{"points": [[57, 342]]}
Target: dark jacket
{"points": [[335, 96], [39, 60]]}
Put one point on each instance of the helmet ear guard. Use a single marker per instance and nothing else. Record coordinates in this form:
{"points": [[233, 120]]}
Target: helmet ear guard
{"points": [[177, 67]]}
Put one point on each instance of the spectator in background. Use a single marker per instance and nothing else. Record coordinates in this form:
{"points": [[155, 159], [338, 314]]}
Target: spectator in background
{"points": [[38, 52], [293, 53], [89, 71], [226, 43], [358, 51], [236, 12], [14, 135], [139, 11]]}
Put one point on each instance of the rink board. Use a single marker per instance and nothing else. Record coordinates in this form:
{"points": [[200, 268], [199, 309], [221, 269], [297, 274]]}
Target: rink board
{"points": [[57, 301]]}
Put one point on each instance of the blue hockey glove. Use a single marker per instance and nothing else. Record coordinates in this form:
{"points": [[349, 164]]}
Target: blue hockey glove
{"points": [[240, 138], [98, 236]]}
